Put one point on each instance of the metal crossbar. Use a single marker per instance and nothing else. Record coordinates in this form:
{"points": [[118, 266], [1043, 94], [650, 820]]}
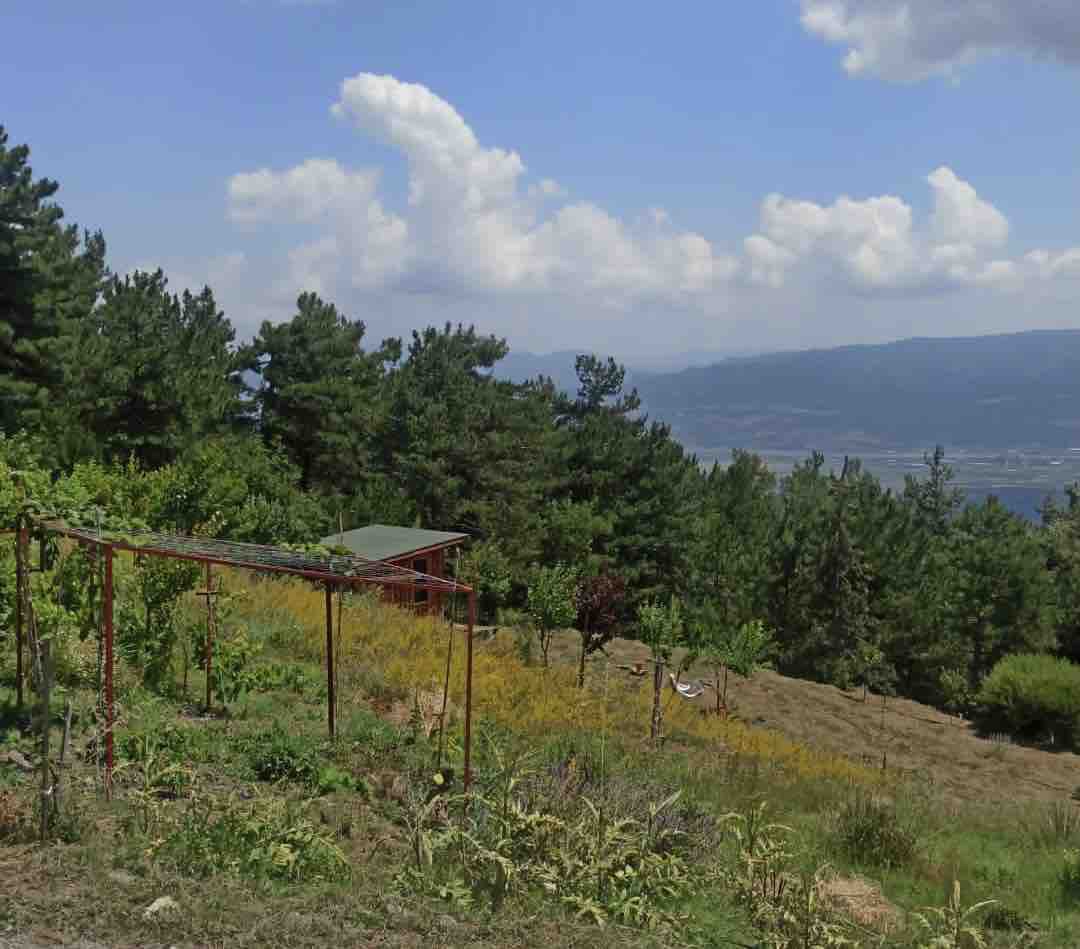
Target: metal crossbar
{"points": [[343, 569]]}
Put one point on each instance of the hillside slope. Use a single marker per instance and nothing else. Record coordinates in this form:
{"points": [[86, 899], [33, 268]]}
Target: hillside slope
{"points": [[1018, 390], [912, 737]]}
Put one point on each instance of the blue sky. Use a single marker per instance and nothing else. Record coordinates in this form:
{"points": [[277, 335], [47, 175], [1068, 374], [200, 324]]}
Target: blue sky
{"points": [[581, 175]]}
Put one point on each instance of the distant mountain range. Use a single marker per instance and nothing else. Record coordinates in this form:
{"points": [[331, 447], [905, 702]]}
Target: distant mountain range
{"points": [[1011, 391], [1019, 391], [559, 366]]}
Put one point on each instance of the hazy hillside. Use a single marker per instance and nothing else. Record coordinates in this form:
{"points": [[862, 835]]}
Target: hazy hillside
{"points": [[1010, 391]]}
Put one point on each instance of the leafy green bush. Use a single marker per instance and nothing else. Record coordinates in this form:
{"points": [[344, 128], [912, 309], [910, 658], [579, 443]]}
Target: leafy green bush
{"points": [[1032, 697], [260, 841], [870, 829], [280, 755], [372, 735]]}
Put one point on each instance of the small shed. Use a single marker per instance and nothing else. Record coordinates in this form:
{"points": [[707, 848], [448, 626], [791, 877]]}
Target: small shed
{"points": [[424, 551]]}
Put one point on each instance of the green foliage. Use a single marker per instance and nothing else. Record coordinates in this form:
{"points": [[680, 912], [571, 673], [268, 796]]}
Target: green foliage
{"points": [[660, 626], [551, 601], [318, 390], [869, 829], [489, 572], [238, 488], [147, 615], [1070, 875], [778, 888], [51, 279], [952, 926], [371, 735], [155, 372], [602, 868], [231, 665], [262, 840], [1032, 697], [278, 754], [741, 650]]}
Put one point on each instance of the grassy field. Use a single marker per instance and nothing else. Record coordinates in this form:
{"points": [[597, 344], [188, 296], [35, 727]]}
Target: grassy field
{"points": [[262, 832]]}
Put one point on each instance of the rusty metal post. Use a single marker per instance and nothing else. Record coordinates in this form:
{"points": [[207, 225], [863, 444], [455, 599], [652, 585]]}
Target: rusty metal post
{"points": [[331, 698], [209, 649], [20, 580], [107, 621], [468, 689]]}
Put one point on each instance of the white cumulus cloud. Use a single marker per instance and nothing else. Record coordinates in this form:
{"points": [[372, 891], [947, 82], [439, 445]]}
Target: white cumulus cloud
{"points": [[473, 224], [907, 40], [478, 236], [876, 244]]}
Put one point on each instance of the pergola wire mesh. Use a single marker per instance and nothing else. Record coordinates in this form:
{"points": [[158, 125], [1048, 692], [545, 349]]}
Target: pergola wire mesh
{"points": [[332, 568]]}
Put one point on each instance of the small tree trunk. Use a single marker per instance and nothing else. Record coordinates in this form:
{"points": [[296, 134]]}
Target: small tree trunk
{"points": [[581, 666], [656, 731]]}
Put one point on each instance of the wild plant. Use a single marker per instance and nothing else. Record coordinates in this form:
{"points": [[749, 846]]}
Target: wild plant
{"points": [[780, 892], [951, 926], [157, 776], [261, 839], [1069, 876]]}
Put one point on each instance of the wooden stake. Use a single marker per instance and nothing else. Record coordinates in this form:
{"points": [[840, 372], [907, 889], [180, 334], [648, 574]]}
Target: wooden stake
{"points": [[107, 622], [46, 694], [331, 696], [208, 652], [20, 619]]}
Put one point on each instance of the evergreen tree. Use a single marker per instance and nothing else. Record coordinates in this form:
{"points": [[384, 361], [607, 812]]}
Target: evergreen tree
{"points": [[319, 393], [155, 372], [49, 280]]}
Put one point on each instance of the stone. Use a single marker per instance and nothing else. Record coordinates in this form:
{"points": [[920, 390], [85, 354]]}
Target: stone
{"points": [[18, 759], [162, 906]]}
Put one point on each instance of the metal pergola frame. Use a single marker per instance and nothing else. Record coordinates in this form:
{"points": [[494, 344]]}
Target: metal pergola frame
{"points": [[333, 570]]}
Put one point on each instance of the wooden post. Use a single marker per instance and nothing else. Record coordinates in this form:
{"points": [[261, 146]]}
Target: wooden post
{"points": [[46, 695], [331, 698], [20, 619], [107, 622], [468, 689], [209, 650]]}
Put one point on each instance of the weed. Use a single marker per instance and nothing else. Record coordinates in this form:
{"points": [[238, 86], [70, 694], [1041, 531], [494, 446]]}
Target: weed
{"points": [[1070, 875], [951, 926], [870, 829], [1054, 825], [260, 840], [280, 755]]}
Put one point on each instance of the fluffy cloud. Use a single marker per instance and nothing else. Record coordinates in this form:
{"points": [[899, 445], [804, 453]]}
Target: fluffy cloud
{"points": [[473, 223], [875, 244], [478, 237], [908, 40], [371, 242]]}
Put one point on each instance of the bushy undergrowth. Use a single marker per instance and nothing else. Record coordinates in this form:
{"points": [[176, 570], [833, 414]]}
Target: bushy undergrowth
{"points": [[1034, 697], [259, 840], [278, 754], [871, 830]]}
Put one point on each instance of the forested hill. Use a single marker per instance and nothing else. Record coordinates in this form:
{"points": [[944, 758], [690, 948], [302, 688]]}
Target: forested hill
{"points": [[1018, 390]]}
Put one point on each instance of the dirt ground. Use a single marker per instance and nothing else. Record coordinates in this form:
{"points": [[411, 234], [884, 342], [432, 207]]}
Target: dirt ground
{"points": [[940, 748]]}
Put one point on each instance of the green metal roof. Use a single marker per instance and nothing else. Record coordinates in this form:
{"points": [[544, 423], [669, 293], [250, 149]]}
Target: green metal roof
{"points": [[383, 542]]}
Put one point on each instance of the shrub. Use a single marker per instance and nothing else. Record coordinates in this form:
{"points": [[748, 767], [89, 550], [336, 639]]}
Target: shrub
{"points": [[1032, 697], [870, 829], [1070, 875], [260, 841], [279, 755]]}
